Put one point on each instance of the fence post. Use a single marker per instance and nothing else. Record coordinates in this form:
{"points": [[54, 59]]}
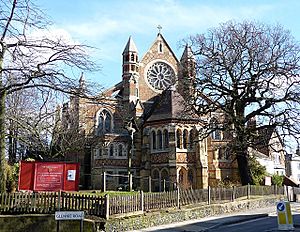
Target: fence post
{"points": [[142, 201], [178, 198], [209, 195], [106, 205], [130, 182], [59, 199], [104, 182], [248, 191], [149, 184], [233, 193]]}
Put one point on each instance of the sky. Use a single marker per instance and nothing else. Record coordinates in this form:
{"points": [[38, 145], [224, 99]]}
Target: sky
{"points": [[107, 24]]}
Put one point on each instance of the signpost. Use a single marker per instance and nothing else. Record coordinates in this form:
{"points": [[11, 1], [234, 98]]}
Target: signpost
{"points": [[284, 216], [69, 215]]}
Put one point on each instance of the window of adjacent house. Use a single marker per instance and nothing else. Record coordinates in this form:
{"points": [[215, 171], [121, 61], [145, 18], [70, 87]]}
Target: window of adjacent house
{"points": [[104, 122], [166, 138], [178, 138], [153, 137], [159, 139], [185, 139]]}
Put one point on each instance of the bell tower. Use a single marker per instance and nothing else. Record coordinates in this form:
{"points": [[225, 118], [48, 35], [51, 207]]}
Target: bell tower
{"points": [[130, 73]]}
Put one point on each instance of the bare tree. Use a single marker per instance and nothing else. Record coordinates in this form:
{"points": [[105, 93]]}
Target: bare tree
{"points": [[248, 72], [30, 119], [30, 60]]}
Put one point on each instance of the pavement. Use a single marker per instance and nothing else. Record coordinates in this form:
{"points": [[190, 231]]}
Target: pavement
{"points": [[208, 223]]}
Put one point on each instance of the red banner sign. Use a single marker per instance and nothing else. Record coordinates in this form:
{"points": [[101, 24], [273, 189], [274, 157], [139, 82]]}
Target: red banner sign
{"points": [[49, 176]]}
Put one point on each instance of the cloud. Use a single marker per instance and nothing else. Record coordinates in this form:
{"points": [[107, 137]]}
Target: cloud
{"points": [[139, 16]]}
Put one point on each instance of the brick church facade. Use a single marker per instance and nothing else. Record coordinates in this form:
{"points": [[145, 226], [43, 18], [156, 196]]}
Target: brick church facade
{"points": [[142, 126]]}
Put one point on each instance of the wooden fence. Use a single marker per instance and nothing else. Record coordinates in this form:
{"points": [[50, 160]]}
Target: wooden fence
{"points": [[106, 206], [175, 199], [49, 202]]}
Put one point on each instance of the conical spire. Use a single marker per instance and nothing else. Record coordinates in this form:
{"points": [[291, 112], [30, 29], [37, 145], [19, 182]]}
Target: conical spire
{"points": [[130, 46], [187, 53], [82, 84]]}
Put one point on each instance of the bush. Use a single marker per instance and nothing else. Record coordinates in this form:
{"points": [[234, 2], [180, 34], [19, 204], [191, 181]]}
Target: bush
{"points": [[277, 180], [12, 176], [258, 172]]}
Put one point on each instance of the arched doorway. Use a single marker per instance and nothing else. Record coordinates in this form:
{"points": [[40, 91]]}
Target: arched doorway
{"points": [[182, 178]]}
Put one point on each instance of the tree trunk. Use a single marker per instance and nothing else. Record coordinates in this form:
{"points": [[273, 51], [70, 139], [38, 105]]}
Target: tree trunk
{"points": [[243, 165], [11, 143], [2, 142]]}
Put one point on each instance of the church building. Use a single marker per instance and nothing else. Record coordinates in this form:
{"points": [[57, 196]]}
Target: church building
{"points": [[142, 126]]}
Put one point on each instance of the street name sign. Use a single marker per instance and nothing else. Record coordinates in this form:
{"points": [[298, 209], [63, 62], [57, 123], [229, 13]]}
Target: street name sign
{"points": [[69, 215]]}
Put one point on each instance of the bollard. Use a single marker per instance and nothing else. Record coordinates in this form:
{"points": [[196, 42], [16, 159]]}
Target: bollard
{"points": [[284, 216]]}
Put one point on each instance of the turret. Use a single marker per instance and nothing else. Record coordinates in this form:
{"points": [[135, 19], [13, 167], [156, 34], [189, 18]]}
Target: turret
{"points": [[130, 58], [188, 73], [130, 71]]}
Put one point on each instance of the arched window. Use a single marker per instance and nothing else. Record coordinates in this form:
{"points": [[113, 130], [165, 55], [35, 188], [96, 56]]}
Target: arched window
{"points": [[153, 137], [178, 138], [159, 140], [120, 150], [111, 150], [104, 122], [108, 123], [165, 183], [216, 133], [166, 138], [132, 57], [160, 48], [185, 139], [192, 139]]}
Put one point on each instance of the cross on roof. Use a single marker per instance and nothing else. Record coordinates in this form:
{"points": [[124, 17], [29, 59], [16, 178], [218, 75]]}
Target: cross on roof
{"points": [[159, 27]]}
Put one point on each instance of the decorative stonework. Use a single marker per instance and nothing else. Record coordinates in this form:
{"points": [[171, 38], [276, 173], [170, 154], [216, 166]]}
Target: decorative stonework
{"points": [[159, 158], [186, 158]]}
